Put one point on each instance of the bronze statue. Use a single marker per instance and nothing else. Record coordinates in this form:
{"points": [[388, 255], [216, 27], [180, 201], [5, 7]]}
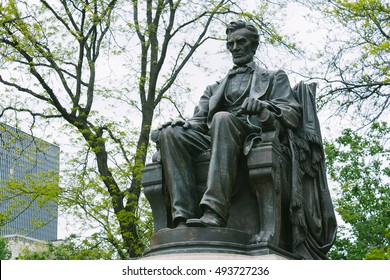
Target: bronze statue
{"points": [[230, 117]]}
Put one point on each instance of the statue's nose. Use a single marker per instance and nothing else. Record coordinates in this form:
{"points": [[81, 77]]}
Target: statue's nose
{"points": [[235, 47]]}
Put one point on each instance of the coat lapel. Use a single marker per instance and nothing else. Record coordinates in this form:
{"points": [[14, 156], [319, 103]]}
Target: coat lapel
{"points": [[217, 96], [260, 82]]}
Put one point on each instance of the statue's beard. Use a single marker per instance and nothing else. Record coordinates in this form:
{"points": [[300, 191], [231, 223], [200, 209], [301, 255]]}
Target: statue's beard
{"points": [[242, 60]]}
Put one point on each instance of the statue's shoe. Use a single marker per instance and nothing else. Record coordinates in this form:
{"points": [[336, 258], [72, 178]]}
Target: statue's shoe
{"points": [[180, 222], [209, 219]]}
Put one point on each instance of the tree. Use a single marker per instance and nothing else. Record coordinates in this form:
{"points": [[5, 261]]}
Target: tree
{"points": [[359, 165], [59, 48], [354, 56], [5, 253]]}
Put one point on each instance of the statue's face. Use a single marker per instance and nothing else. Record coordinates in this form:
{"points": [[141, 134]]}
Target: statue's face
{"points": [[240, 45]]}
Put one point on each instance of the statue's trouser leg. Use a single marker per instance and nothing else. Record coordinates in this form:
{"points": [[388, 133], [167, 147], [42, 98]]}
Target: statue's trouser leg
{"points": [[178, 147], [228, 133]]}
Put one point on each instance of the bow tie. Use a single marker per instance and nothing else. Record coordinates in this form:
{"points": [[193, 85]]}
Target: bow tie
{"points": [[239, 70]]}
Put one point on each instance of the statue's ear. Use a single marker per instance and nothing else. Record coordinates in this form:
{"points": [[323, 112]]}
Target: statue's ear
{"points": [[255, 45]]}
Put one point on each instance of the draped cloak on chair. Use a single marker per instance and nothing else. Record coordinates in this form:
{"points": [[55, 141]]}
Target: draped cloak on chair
{"points": [[311, 210]]}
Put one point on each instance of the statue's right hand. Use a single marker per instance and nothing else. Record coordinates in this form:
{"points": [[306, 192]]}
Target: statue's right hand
{"points": [[178, 122], [164, 125]]}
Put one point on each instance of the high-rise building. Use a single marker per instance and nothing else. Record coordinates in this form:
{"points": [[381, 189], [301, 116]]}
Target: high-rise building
{"points": [[29, 170]]}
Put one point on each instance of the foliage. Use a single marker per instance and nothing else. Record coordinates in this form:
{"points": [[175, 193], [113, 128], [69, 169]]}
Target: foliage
{"points": [[34, 191], [354, 56], [57, 73], [359, 164], [5, 253], [72, 249]]}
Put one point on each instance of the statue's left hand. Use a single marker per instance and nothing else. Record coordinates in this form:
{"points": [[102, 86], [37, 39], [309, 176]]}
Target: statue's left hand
{"points": [[252, 106]]}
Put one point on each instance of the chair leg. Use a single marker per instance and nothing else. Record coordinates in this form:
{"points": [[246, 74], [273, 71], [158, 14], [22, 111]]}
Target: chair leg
{"points": [[269, 201], [266, 181]]}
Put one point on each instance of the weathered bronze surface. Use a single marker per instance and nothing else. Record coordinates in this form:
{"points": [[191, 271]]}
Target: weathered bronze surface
{"points": [[250, 159]]}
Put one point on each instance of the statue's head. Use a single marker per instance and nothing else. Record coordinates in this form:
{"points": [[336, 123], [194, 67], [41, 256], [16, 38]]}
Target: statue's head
{"points": [[242, 41]]}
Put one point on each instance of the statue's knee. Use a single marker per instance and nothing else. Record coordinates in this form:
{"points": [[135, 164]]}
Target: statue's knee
{"points": [[165, 131], [170, 133], [221, 118]]}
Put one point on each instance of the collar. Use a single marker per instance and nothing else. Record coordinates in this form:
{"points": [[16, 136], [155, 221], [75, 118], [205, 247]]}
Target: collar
{"points": [[251, 65], [247, 68]]}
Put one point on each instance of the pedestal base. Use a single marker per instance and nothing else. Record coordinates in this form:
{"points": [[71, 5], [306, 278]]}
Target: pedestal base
{"points": [[214, 256], [210, 243]]}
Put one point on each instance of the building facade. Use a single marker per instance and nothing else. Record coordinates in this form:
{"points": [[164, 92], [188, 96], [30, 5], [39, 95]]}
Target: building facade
{"points": [[29, 170]]}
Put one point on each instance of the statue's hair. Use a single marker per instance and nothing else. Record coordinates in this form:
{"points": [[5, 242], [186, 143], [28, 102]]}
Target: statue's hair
{"points": [[235, 25]]}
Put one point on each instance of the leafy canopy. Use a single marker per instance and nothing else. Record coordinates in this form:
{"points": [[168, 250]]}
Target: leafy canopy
{"points": [[359, 164], [354, 57]]}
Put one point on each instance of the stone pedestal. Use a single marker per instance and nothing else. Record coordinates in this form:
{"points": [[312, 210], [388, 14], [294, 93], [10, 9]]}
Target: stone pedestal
{"points": [[213, 256], [210, 243]]}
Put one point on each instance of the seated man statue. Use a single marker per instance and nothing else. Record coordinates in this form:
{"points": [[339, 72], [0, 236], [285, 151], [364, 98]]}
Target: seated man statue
{"points": [[229, 113]]}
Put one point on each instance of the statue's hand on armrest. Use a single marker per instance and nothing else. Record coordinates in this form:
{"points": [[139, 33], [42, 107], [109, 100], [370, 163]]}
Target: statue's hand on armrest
{"points": [[263, 110], [252, 106], [267, 118]]}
